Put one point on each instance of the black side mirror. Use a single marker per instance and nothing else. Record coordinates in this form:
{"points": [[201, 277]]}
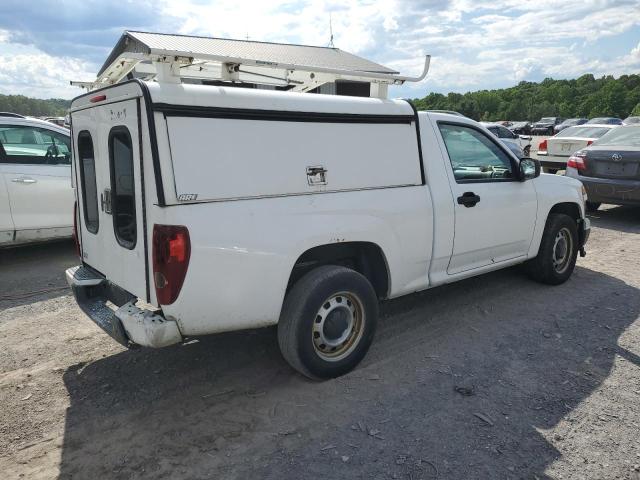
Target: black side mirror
{"points": [[529, 168]]}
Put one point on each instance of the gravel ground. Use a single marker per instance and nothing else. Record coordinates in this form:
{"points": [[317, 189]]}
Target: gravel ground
{"points": [[493, 377]]}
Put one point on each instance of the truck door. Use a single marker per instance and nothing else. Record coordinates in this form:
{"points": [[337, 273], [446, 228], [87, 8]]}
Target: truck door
{"points": [[494, 212], [110, 201], [36, 166]]}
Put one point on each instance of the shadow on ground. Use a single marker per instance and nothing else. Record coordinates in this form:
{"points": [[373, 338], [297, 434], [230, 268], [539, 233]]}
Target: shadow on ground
{"points": [[35, 272], [229, 407], [622, 219]]}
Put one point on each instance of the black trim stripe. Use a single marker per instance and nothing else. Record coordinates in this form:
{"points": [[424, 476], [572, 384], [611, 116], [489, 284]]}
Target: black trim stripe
{"points": [[419, 139], [143, 199], [153, 140], [278, 115]]}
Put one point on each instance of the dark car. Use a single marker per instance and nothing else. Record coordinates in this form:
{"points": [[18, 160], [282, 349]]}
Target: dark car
{"points": [[569, 122], [631, 120], [545, 125], [605, 121], [520, 128], [610, 168]]}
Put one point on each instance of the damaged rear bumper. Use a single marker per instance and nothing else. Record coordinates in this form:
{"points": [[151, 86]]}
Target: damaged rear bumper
{"points": [[123, 321]]}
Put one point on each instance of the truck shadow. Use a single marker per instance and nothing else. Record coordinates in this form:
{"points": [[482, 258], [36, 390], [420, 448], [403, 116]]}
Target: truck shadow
{"points": [[620, 218], [523, 357], [35, 272]]}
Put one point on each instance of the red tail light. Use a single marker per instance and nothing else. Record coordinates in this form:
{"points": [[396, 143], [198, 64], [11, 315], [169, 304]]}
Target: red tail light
{"points": [[577, 161], [542, 147], [171, 253], [589, 142], [98, 98], [76, 238]]}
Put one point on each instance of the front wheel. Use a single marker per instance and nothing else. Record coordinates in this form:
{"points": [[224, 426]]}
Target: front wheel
{"points": [[328, 322], [558, 251]]}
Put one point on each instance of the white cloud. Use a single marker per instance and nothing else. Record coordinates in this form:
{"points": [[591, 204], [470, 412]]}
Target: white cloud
{"points": [[28, 71]]}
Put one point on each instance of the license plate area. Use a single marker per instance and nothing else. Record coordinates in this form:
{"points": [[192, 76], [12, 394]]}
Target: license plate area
{"points": [[627, 169]]}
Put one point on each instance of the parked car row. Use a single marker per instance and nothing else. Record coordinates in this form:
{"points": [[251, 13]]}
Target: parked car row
{"points": [[553, 125]]}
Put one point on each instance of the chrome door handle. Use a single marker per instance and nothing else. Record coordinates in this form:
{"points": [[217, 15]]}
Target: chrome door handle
{"points": [[23, 180]]}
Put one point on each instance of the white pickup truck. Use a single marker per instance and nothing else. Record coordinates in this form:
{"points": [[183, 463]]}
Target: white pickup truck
{"points": [[205, 209]]}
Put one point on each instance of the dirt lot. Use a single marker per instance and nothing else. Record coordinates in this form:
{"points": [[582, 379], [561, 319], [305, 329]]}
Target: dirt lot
{"points": [[494, 377]]}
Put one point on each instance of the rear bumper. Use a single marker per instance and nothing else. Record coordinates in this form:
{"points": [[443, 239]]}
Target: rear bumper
{"points": [[125, 323], [552, 161], [606, 190]]}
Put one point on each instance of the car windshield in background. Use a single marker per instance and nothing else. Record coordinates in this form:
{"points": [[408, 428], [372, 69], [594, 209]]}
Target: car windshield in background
{"points": [[632, 120], [548, 120], [621, 136], [606, 121], [583, 132]]}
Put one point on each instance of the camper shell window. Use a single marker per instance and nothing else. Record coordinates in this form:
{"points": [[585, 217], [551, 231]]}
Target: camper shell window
{"points": [[123, 202], [88, 181]]}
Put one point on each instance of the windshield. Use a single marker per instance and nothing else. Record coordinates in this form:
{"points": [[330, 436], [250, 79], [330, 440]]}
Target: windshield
{"points": [[583, 132], [621, 136], [548, 120], [632, 120]]}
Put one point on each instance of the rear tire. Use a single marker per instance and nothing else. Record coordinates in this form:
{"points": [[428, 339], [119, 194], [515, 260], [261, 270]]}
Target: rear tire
{"points": [[558, 251], [592, 206], [328, 322]]}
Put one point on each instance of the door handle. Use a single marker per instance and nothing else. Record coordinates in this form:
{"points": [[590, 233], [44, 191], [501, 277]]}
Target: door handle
{"points": [[468, 199], [23, 180]]}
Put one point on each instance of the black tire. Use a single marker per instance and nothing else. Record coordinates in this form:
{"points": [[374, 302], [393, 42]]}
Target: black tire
{"points": [[543, 268], [592, 206], [300, 330]]}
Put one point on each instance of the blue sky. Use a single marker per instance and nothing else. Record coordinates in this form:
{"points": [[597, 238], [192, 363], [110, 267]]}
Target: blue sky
{"points": [[474, 44]]}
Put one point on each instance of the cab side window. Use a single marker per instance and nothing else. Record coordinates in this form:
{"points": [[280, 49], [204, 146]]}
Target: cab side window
{"points": [[474, 156], [33, 145]]}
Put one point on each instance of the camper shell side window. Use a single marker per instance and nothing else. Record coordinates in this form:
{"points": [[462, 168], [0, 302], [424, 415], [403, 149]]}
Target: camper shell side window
{"points": [[123, 202], [88, 181]]}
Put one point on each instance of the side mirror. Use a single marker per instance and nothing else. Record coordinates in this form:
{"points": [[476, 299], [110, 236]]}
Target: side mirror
{"points": [[529, 169]]}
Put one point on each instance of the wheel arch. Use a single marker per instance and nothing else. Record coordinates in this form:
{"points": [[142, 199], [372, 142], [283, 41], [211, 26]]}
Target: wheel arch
{"points": [[571, 209], [366, 258]]}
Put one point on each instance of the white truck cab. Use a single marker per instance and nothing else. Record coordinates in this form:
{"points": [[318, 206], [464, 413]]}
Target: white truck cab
{"points": [[205, 209]]}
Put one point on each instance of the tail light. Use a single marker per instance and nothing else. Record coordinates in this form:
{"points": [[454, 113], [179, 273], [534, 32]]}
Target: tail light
{"points": [[542, 147], [577, 160], [171, 253], [76, 238], [589, 142]]}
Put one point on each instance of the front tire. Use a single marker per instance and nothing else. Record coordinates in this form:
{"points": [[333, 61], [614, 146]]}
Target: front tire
{"points": [[328, 322], [558, 251]]}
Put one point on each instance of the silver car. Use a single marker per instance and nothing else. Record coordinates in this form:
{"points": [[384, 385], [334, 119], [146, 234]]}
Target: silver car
{"points": [[518, 144]]}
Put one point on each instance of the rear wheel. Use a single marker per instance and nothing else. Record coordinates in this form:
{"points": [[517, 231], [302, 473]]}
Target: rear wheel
{"points": [[328, 322], [592, 206], [558, 251]]}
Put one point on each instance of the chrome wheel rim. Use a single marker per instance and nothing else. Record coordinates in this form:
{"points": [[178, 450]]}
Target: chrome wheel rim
{"points": [[562, 250], [338, 326]]}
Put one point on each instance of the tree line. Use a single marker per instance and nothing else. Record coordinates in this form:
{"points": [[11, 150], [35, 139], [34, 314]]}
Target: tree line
{"points": [[586, 96], [34, 107]]}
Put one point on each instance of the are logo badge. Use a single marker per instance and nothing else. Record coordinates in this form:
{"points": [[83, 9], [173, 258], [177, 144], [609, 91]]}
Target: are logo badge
{"points": [[616, 157]]}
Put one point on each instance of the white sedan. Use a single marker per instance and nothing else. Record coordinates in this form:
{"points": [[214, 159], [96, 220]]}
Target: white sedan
{"points": [[553, 152], [36, 196]]}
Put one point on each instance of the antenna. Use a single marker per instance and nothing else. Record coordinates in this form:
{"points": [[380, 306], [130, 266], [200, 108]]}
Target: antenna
{"points": [[330, 32]]}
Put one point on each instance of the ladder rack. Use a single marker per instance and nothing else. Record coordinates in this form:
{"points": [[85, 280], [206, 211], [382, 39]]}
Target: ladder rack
{"points": [[299, 68]]}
